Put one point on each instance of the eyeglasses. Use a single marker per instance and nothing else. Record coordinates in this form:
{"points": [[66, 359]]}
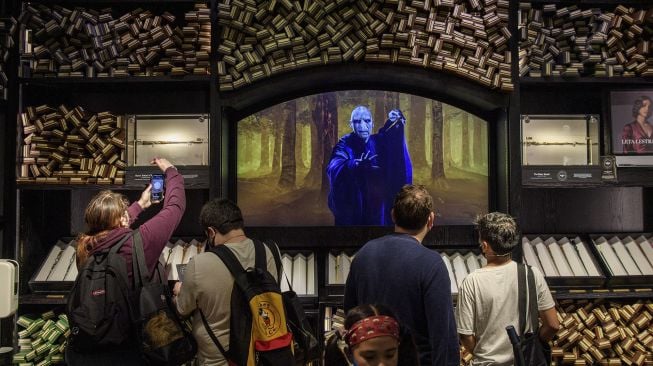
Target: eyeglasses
{"points": [[366, 120]]}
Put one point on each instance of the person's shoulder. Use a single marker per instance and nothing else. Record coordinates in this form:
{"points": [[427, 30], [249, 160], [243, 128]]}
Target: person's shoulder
{"points": [[537, 274], [345, 139], [629, 126], [206, 260]]}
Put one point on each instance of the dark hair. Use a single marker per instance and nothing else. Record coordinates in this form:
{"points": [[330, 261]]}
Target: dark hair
{"points": [[222, 215], [334, 356], [639, 103], [499, 230], [412, 207]]}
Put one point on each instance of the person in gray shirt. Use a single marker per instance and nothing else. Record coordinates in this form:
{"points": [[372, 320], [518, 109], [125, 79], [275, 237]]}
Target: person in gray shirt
{"points": [[487, 300], [208, 284]]}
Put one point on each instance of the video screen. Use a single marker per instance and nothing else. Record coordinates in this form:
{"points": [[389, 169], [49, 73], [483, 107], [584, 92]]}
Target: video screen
{"points": [[632, 128], [339, 158]]}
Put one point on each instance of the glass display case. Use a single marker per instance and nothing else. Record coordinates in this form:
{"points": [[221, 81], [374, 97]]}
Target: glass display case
{"points": [[182, 139], [560, 140]]}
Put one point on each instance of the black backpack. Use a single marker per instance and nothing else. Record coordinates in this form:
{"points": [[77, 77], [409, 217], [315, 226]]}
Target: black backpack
{"points": [[259, 333], [307, 348], [100, 308]]}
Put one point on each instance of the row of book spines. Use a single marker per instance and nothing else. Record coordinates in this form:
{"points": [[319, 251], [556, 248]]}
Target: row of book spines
{"points": [[350, 33], [570, 41], [143, 42]]}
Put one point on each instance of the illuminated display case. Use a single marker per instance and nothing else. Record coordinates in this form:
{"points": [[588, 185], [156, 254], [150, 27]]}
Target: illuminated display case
{"points": [[560, 140], [560, 148], [181, 138]]}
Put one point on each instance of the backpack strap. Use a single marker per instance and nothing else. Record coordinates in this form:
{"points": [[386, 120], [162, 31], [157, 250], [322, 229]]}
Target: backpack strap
{"points": [[228, 258], [139, 268], [116, 247], [259, 255], [521, 299], [236, 269], [532, 300], [212, 335], [274, 248], [233, 264]]}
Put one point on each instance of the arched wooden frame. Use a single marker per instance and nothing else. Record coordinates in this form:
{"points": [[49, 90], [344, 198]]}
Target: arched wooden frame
{"points": [[490, 105]]}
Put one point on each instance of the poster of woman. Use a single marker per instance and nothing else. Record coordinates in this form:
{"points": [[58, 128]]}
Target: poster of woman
{"points": [[632, 128]]}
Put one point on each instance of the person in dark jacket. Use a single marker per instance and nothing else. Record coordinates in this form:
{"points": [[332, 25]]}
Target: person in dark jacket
{"points": [[398, 271], [108, 218]]}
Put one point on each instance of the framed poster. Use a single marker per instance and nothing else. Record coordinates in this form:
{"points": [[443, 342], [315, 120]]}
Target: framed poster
{"points": [[632, 126]]}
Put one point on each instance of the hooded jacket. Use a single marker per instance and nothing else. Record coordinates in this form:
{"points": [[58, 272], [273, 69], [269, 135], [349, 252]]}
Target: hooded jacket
{"points": [[156, 232]]}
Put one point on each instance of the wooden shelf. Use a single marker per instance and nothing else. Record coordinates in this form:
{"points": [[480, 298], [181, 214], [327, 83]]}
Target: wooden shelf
{"points": [[592, 2], [626, 177], [105, 2], [635, 176], [557, 81], [554, 185], [41, 187], [43, 299], [646, 293], [129, 81], [72, 187]]}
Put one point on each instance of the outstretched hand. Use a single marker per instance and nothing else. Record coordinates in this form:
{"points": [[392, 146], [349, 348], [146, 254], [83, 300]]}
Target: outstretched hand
{"points": [[365, 160], [162, 163], [395, 116]]}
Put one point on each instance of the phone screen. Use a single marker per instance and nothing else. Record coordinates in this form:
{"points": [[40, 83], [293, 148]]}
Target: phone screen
{"points": [[158, 187]]}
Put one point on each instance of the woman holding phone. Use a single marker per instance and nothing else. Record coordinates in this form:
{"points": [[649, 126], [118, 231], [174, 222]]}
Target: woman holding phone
{"points": [[108, 218]]}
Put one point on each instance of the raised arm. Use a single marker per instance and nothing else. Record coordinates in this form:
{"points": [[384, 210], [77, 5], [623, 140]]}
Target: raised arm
{"points": [[157, 231]]}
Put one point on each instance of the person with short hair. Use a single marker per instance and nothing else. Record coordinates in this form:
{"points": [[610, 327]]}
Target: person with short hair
{"points": [[488, 297], [412, 280], [208, 284], [372, 336], [367, 169]]}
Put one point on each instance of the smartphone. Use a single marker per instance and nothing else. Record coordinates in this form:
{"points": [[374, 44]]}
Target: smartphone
{"points": [[158, 187]]}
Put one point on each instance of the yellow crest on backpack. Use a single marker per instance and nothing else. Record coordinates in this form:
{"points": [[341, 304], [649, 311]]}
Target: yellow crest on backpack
{"points": [[269, 320]]}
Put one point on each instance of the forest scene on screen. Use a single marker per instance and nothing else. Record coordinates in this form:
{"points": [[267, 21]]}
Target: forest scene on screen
{"points": [[339, 158]]}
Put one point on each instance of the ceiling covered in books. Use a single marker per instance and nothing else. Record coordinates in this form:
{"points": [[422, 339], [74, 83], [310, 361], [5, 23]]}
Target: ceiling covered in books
{"points": [[468, 38]]}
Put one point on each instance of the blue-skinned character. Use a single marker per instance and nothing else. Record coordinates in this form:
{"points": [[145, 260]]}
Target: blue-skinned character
{"points": [[366, 170]]}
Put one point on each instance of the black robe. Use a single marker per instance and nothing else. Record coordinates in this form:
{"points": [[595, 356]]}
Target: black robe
{"points": [[363, 194]]}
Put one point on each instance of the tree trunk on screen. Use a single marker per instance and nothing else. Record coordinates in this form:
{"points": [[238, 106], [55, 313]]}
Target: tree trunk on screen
{"points": [[477, 146], [298, 145], [314, 176], [437, 146], [277, 130], [329, 136], [249, 151], [265, 147], [288, 164], [417, 131], [465, 140]]}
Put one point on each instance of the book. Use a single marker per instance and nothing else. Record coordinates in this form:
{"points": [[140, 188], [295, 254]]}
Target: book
{"points": [[573, 258]]}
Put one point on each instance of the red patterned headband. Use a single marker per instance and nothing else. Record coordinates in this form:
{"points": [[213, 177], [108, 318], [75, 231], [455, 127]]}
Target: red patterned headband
{"points": [[370, 327]]}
